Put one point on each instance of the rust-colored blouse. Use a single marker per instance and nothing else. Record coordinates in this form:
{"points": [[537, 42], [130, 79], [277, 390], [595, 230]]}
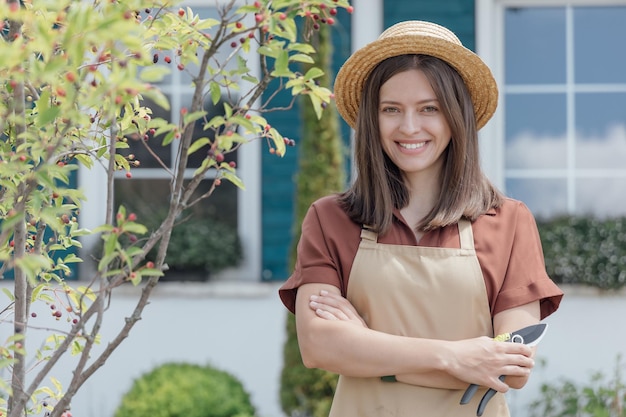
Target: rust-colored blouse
{"points": [[506, 241]]}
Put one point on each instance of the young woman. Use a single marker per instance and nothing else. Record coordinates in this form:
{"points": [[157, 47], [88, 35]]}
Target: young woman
{"points": [[403, 280]]}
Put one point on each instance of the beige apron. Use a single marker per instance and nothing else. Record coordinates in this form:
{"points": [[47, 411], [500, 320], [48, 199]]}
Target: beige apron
{"points": [[424, 292]]}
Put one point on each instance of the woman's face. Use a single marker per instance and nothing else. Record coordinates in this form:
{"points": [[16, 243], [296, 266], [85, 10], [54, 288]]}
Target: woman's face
{"points": [[413, 130]]}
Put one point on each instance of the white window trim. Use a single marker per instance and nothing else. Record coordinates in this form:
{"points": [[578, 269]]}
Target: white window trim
{"points": [[490, 46]]}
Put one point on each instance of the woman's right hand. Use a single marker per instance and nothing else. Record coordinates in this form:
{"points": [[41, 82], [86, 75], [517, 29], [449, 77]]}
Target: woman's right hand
{"points": [[331, 306], [483, 360]]}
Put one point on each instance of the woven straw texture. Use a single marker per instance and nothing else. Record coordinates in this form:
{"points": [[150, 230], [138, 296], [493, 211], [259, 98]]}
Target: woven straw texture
{"points": [[416, 37]]}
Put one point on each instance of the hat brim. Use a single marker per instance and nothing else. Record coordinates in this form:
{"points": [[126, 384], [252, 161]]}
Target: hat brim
{"points": [[477, 76]]}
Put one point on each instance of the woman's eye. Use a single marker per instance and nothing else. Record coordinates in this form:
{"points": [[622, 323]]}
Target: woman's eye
{"points": [[430, 109], [390, 110]]}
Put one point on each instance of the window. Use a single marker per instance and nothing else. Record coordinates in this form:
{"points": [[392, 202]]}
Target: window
{"points": [[147, 192], [562, 117]]}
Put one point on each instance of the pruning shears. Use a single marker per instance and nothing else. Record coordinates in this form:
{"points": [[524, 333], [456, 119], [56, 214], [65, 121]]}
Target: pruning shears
{"points": [[529, 336]]}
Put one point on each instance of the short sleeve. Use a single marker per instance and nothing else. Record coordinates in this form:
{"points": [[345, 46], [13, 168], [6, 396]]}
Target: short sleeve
{"points": [[314, 263], [525, 278]]}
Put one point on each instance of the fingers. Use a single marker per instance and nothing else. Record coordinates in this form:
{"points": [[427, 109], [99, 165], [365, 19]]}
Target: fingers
{"points": [[331, 306], [483, 361]]}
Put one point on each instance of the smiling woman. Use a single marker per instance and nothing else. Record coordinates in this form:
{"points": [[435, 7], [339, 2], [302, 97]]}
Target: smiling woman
{"points": [[402, 280]]}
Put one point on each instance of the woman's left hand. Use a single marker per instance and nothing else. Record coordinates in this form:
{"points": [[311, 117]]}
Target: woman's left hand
{"points": [[335, 307]]}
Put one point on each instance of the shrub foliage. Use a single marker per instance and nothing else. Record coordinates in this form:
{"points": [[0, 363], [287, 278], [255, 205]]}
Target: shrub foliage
{"points": [[585, 250], [186, 390]]}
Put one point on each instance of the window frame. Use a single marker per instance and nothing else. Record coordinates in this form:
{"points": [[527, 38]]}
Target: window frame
{"points": [[490, 32]]}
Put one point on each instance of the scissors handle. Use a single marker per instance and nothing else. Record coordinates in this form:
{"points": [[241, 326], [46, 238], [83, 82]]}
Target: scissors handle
{"points": [[469, 393], [488, 395]]}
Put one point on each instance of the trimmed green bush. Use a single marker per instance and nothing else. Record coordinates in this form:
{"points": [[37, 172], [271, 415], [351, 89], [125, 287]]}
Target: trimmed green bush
{"points": [[585, 250], [186, 390]]}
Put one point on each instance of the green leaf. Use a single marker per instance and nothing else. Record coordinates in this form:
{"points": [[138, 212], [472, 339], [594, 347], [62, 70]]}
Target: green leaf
{"points": [[271, 52], [8, 294], [157, 97], [151, 272], [197, 144], [313, 73], [192, 117], [281, 67], [317, 105], [216, 92], [304, 48], [279, 142], [154, 73], [36, 291], [72, 258], [33, 264], [302, 58], [234, 179]]}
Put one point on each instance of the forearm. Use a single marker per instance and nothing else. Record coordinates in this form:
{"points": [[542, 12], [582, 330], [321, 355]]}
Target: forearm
{"points": [[361, 352]]}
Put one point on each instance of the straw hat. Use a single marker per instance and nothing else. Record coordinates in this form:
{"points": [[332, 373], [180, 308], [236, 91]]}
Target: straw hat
{"points": [[416, 37]]}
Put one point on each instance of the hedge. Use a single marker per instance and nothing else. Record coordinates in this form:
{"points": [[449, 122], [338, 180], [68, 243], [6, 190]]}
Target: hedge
{"points": [[585, 250]]}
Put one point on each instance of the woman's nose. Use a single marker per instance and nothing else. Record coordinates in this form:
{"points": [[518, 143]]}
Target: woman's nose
{"points": [[410, 123]]}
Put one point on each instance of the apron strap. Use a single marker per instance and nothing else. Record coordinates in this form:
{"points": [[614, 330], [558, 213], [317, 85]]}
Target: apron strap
{"points": [[466, 235], [368, 234]]}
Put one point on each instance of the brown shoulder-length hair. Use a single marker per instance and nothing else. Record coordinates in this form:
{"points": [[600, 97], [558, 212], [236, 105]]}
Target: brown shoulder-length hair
{"points": [[379, 186]]}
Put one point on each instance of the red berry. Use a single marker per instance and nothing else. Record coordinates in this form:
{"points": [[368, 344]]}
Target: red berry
{"points": [[167, 59], [181, 12], [250, 35], [150, 264], [258, 17], [282, 16], [238, 25], [219, 157], [257, 4], [129, 175], [183, 111], [233, 44], [232, 164], [181, 67], [333, 12], [350, 9], [155, 58], [217, 182], [33, 314], [70, 76], [132, 217], [330, 21]]}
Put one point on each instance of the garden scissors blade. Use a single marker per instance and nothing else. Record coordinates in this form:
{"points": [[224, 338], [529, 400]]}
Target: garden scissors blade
{"points": [[530, 336]]}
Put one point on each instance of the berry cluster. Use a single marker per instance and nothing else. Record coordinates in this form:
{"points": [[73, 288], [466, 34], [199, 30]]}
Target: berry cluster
{"points": [[326, 15]]}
